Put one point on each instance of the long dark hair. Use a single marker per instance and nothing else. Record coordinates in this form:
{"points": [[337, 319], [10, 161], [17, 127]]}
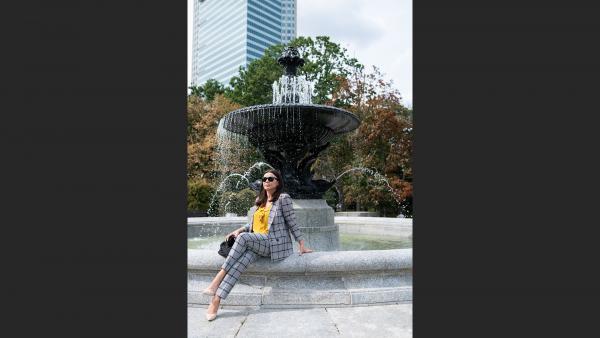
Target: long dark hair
{"points": [[262, 195]]}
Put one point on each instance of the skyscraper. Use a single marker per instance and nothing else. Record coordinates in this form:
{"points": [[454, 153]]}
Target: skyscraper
{"points": [[231, 33], [288, 20]]}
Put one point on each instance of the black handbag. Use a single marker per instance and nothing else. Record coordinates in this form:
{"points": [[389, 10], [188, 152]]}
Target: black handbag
{"points": [[226, 246]]}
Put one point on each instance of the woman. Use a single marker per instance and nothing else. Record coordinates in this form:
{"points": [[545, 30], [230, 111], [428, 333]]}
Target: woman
{"points": [[268, 235]]}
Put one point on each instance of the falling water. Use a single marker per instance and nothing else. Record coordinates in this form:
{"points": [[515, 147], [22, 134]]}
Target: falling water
{"points": [[254, 170], [234, 150], [222, 187], [256, 165], [292, 89]]}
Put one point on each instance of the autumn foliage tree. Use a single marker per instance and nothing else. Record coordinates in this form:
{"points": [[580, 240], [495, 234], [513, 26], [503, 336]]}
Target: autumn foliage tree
{"points": [[204, 167], [203, 120], [382, 143]]}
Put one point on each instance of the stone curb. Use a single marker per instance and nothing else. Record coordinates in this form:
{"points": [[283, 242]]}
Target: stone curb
{"points": [[333, 278], [315, 262]]}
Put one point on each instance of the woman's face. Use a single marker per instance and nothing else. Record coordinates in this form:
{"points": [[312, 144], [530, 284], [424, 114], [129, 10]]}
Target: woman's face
{"points": [[270, 182]]}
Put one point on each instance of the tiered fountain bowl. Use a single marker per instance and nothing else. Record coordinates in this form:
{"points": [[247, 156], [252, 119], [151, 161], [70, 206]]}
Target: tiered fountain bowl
{"points": [[291, 132]]}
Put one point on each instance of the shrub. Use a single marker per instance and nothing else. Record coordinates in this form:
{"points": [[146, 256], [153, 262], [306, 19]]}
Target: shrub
{"points": [[237, 202], [332, 199], [199, 195]]}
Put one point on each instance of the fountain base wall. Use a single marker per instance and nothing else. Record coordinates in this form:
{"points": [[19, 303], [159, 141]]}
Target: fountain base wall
{"points": [[343, 278]]}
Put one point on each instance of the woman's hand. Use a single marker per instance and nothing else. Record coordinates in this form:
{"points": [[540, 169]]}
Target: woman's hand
{"points": [[234, 233], [302, 249]]}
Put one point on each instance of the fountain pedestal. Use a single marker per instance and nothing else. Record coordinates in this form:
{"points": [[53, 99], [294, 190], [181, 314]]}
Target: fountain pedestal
{"points": [[316, 220]]}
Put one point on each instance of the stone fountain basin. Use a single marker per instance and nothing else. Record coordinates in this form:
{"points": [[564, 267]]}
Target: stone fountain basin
{"points": [[390, 227], [332, 278], [383, 226]]}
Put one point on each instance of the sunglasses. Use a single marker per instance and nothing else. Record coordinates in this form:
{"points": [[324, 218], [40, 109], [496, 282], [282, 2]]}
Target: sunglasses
{"points": [[270, 178]]}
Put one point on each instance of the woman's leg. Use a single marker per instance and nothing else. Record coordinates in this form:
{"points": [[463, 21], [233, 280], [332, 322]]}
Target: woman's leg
{"points": [[245, 250], [232, 276], [212, 287], [245, 241], [239, 247], [230, 279]]}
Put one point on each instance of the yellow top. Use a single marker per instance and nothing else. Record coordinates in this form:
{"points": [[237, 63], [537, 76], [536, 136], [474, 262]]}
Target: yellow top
{"points": [[260, 222]]}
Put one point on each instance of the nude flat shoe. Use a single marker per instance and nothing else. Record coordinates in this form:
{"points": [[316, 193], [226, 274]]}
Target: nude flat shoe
{"points": [[211, 316]]}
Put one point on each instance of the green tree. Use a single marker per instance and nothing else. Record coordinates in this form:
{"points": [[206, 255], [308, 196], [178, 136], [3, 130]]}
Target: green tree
{"points": [[195, 91], [253, 85], [199, 194], [237, 202], [209, 90], [325, 62]]}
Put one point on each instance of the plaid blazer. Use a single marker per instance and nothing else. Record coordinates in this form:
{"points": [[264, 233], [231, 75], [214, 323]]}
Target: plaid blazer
{"points": [[282, 221]]}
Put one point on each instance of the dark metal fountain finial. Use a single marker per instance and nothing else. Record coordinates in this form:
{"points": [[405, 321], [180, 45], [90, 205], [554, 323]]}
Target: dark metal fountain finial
{"points": [[291, 60]]}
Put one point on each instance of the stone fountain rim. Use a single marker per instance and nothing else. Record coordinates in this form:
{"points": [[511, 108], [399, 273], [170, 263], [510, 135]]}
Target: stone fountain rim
{"points": [[319, 279], [347, 262]]}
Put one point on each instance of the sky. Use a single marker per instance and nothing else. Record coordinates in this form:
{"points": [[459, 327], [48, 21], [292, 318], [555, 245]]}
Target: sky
{"points": [[376, 32]]}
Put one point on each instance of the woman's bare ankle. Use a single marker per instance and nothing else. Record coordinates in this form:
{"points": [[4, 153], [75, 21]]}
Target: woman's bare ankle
{"points": [[214, 304]]}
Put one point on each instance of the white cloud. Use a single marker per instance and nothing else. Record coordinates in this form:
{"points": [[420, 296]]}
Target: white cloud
{"points": [[348, 24], [376, 32]]}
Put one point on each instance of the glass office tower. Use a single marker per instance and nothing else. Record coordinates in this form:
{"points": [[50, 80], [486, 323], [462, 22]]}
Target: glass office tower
{"points": [[231, 33], [288, 20]]}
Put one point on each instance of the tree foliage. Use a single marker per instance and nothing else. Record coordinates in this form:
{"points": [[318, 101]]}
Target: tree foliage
{"points": [[203, 120], [382, 143], [325, 63], [199, 194], [209, 90]]}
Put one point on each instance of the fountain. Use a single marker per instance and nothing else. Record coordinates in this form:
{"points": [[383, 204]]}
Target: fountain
{"points": [[290, 133]]}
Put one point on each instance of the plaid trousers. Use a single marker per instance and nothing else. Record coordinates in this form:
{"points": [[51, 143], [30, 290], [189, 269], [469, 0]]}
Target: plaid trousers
{"points": [[245, 250]]}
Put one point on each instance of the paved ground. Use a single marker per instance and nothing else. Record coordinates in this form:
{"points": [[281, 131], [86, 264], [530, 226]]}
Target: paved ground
{"points": [[363, 321]]}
